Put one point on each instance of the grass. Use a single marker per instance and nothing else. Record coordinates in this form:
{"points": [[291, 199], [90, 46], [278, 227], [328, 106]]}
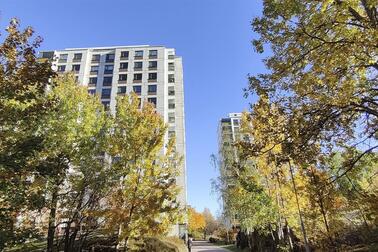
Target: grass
{"points": [[230, 247]]}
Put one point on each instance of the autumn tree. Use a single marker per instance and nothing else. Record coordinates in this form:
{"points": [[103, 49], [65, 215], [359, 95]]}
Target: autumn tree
{"points": [[317, 99], [68, 165], [323, 73], [23, 80], [143, 200], [196, 221]]}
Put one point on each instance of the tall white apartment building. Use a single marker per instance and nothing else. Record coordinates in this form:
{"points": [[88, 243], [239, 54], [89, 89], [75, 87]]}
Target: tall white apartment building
{"points": [[154, 73]]}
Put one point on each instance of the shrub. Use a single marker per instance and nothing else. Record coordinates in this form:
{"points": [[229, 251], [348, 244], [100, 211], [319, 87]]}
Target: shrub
{"points": [[163, 244], [213, 239]]}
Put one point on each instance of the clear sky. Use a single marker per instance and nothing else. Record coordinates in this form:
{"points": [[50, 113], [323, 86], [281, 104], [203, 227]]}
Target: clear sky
{"points": [[212, 36]]}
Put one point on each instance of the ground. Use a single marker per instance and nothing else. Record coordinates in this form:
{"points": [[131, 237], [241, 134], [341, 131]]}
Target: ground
{"points": [[203, 246]]}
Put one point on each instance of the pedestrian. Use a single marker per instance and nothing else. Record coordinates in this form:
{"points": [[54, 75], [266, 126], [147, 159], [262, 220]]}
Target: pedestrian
{"points": [[190, 244]]}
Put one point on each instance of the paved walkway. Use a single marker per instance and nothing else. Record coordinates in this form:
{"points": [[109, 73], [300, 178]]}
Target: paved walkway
{"points": [[203, 246]]}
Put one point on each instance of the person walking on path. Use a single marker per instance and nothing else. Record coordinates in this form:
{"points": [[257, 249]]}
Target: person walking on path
{"points": [[190, 244]]}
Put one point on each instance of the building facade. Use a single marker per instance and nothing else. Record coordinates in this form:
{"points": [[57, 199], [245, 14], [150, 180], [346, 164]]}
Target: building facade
{"points": [[154, 73]]}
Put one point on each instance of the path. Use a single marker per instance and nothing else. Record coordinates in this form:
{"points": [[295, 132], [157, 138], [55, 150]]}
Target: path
{"points": [[204, 246]]}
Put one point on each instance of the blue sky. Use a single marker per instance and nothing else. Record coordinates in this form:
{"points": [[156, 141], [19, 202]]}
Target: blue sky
{"points": [[212, 36]]}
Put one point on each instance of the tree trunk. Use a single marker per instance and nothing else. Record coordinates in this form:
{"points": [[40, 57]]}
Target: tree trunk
{"points": [[52, 216], [299, 209], [67, 236]]}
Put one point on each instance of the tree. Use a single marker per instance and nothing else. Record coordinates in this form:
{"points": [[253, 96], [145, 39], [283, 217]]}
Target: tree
{"points": [[323, 73], [320, 84], [23, 80], [196, 221], [211, 223], [72, 134], [144, 199]]}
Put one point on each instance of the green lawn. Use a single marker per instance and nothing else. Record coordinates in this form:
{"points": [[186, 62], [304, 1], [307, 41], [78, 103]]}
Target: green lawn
{"points": [[230, 247]]}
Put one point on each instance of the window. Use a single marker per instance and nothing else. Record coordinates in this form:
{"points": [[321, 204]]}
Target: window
{"points": [[171, 117], [171, 66], [95, 57], [138, 54], [110, 57], [171, 103], [236, 122], [152, 89], [94, 69], [138, 65], [152, 101], [122, 77], [171, 91], [171, 55], [124, 54], [138, 77], [76, 68], [92, 81], [121, 90], [124, 66], [171, 132], [137, 89], [106, 104], [105, 94], [107, 81], [171, 78], [63, 57], [61, 68], [152, 76], [108, 69], [152, 64], [91, 91], [46, 55], [76, 78], [77, 56], [153, 54]]}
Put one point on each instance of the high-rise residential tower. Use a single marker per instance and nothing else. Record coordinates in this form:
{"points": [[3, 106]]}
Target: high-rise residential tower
{"points": [[153, 72]]}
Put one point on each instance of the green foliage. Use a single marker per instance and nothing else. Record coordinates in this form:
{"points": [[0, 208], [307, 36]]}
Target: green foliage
{"points": [[23, 81], [313, 130], [144, 201], [65, 161]]}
